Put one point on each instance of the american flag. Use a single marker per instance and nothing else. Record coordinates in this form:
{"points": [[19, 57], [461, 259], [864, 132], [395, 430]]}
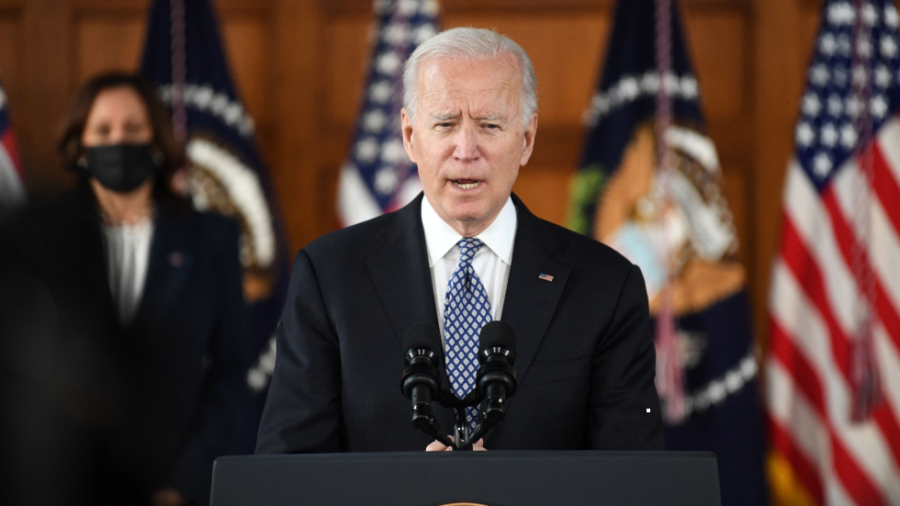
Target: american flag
{"points": [[378, 176], [835, 299], [12, 191]]}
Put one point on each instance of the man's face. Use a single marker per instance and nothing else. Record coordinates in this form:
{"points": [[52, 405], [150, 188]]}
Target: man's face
{"points": [[469, 138]]}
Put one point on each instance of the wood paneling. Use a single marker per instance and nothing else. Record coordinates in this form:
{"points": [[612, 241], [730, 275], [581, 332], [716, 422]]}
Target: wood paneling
{"points": [[106, 42], [299, 66]]}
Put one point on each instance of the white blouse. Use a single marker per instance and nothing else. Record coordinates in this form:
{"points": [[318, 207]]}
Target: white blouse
{"points": [[128, 255]]}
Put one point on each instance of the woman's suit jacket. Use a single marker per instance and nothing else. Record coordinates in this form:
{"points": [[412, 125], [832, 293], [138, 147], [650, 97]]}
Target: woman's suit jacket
{"points": [[162, 396]]}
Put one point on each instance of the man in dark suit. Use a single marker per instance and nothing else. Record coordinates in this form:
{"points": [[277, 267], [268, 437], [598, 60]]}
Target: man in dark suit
{"points": [[466, 249]]}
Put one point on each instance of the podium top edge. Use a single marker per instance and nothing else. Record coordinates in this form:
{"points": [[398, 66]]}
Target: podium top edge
{"points": [[496, 454]]}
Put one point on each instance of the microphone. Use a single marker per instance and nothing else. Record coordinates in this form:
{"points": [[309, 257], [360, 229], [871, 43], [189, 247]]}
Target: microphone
{"points": [[421, 377], [496, 378]]}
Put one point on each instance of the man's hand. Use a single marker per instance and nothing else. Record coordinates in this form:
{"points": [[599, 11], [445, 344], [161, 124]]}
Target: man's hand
{"points": [[437, 446]]}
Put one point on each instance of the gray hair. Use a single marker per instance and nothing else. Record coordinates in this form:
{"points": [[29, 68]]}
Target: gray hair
{"points": [[470, 44]]}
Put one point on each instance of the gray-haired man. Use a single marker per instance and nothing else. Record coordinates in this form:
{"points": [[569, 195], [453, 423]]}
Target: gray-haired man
{"points": [[578, 309]]}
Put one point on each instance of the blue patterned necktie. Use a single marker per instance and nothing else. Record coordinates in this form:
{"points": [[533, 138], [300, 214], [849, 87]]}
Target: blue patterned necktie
{"points": [[466, 310]]}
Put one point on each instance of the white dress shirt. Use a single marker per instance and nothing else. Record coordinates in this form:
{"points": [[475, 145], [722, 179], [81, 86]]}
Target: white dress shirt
{"points": [[491, 262], [128, 255]]}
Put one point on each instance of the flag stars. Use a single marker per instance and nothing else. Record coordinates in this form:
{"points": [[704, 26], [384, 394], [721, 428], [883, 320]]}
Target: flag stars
{"points": [[388, 63], [805, 135], [396, 34], [629, 89], [233, 113], [689, 88], [218, 103], [650, 82], [822, 164], [890, 16], [386, 180], [430, 8], [882, 76], [848, 136], [424, 32], [829, 135], [879, 106], [841, 14], [811, 105], [393, 153], [835, 105], [374, 121], [203, 96], [888, 46], [827, 44], [819, 74], [407, 7], [367, 149], [381, 92], [869, 14]]}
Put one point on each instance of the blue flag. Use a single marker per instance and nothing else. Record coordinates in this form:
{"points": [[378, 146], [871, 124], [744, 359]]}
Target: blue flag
{"points": [[686, 241], [183, 56]]}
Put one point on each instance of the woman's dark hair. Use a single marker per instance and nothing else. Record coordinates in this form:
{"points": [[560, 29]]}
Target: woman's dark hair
{"points": [[72, 128]]}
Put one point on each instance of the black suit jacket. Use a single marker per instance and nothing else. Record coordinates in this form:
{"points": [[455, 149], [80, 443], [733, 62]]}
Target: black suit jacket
{"points": [[125, 410], [585, 352]]}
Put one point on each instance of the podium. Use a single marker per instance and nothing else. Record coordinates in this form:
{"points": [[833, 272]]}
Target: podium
{"points": [[496, 478]]}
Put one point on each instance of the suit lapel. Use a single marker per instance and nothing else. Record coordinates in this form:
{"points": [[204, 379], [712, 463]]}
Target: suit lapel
{"points": [[171, 260], [531, 301], [401, 272]]}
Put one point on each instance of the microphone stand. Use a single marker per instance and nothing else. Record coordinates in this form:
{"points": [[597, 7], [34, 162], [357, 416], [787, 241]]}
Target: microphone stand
{"points": [[463, 440]]}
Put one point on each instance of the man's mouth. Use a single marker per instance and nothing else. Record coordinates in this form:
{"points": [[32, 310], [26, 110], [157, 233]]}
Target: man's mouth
{"points": [[466, 184]]}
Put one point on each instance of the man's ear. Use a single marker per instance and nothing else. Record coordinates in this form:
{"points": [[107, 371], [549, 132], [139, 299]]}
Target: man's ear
{"points": [[407, 129], [528, 140]]}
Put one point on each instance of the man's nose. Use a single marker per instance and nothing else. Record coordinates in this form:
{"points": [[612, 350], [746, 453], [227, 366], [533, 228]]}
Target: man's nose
{"points": [[466, 144]]}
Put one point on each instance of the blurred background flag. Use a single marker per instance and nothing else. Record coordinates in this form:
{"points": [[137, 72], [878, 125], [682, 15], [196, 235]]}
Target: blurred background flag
{"points": [[377, 176], [183, 55], [12, 189], [657, 199], [833, 369]]}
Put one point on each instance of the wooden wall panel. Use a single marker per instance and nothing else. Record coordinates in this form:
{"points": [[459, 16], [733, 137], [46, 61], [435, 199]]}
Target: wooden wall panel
{"points": [[565, 49], [248, 42], [718, 40], [106, 42], [345, 64]]}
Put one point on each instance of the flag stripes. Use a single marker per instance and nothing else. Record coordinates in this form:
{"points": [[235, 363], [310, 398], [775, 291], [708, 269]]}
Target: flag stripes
{"points": [[813, 309]]}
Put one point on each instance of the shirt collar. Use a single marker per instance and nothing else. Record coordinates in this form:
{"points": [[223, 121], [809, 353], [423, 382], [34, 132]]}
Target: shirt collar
{"points": [[440, 237]]}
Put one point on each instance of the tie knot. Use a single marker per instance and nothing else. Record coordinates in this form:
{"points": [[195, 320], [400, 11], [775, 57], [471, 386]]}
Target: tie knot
{"points": [[468, 246]]}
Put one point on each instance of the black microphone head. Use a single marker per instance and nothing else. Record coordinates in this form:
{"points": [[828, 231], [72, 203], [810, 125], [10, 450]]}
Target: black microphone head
{"points": [[423, 335], [497, 334]]}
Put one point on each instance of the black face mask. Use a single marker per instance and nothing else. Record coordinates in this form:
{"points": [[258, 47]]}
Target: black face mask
{"points": [[120, 167]]}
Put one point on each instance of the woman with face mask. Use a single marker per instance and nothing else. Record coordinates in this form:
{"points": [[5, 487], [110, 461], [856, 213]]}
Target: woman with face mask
{"points": [[148, 292]]}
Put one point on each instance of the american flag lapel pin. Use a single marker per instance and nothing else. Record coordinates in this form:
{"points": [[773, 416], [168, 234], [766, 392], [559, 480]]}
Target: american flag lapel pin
{"points": [[546, 277]]}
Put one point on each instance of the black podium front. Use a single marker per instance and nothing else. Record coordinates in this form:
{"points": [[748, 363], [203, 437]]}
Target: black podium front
{"points": [[498, 478]]}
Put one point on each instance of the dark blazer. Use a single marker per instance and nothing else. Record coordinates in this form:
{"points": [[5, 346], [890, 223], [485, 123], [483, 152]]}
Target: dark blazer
{"points": [[161, 397], [585, 361]]}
